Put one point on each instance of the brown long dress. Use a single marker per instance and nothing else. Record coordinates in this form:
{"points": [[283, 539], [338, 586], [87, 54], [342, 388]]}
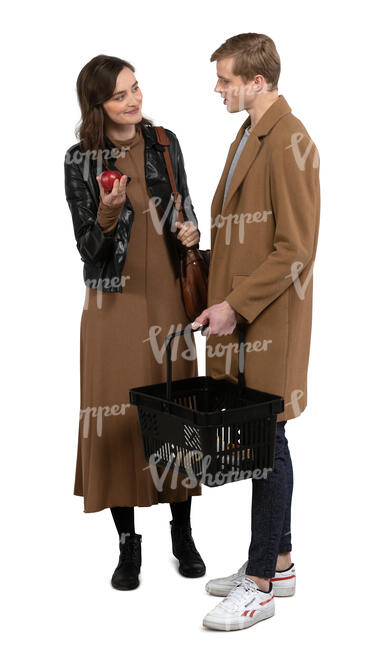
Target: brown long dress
{"points": [[122, 346]]}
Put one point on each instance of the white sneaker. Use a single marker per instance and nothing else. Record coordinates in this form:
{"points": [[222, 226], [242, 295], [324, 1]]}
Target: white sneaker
{"points": [[284, 582], [244, 606]]}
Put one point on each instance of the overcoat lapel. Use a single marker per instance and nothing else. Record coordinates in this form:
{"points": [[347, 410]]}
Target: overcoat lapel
{"points": [[249, 153]]}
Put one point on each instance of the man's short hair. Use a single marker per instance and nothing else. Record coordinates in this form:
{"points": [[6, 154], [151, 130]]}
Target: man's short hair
{"points": [[253, 54]]}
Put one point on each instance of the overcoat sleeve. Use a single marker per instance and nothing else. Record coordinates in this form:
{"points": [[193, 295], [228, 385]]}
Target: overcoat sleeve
{"points": [[295, 199]]}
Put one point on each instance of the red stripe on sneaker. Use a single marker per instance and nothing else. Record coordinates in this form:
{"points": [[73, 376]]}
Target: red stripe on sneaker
{"points": [[285, 578], [246, 613], [267, 601]]}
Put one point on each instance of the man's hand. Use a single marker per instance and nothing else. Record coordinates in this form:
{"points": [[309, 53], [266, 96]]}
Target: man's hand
{"points": [[221, 318], [188, 233]]}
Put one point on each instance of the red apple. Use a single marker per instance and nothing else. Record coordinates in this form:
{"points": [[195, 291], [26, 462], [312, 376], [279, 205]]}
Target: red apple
{"points": [[107, 179]]}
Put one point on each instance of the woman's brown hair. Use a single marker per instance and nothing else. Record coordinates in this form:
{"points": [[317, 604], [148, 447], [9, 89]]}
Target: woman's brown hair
{"points": [[253, 54], [95, 85]]}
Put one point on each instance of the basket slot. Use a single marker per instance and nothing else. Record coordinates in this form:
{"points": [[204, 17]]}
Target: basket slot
{"points": [[192, 437], [195, 401], [263, 449], [190, 458], [189, 401], [171, 453], [245, 446]]}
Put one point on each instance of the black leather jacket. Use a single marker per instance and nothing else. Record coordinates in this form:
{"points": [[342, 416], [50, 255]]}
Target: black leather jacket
{"points": [[104, 254]]}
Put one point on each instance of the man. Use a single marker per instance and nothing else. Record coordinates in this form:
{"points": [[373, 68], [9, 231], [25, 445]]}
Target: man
{"points": [[264, 231]]}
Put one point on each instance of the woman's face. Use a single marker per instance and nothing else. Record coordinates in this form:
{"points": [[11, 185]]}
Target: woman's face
{"points": [[124, 107]]}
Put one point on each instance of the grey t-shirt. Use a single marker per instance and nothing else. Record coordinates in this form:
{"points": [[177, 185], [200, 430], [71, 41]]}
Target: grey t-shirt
{"points": [[235, 161]]}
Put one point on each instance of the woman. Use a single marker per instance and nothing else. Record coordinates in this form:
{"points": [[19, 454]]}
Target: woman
{"points": [[128, 243]]}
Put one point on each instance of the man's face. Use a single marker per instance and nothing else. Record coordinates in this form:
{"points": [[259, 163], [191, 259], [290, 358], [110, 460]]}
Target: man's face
{"points": [[237, 95]]}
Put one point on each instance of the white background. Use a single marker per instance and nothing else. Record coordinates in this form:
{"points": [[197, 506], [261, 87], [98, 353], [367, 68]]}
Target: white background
{"points": [[57, 559]]}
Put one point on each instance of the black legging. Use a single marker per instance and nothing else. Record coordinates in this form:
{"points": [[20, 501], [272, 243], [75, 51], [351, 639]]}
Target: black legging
{"points": [[124, 517]]}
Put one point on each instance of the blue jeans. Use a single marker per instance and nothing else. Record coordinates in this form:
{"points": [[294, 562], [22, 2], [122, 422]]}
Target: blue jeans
{"points": [[271, 511]]}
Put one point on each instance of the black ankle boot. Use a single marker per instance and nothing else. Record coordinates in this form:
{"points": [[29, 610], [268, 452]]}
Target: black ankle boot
{"points": [[191, 564], [126, 575]]}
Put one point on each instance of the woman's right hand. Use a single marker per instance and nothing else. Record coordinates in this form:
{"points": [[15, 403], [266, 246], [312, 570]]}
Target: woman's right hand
{"points": [[117, 196]]}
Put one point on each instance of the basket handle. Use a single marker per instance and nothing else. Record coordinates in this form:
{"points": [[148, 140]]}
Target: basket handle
{"points": [[241, 354]]}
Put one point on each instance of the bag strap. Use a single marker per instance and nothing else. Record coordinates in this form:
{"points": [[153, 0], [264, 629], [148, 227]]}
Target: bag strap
{"points": [[163, 139]]}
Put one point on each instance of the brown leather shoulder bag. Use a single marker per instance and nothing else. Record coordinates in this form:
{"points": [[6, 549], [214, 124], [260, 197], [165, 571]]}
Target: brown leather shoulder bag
{"points": [[194, 263]]}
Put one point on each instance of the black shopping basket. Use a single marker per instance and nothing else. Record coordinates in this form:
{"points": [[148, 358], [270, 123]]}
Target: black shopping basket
{"points": [[214, 431]]}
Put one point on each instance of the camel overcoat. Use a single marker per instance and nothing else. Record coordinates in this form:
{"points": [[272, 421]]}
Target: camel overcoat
{"points": [[263, 246]]}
